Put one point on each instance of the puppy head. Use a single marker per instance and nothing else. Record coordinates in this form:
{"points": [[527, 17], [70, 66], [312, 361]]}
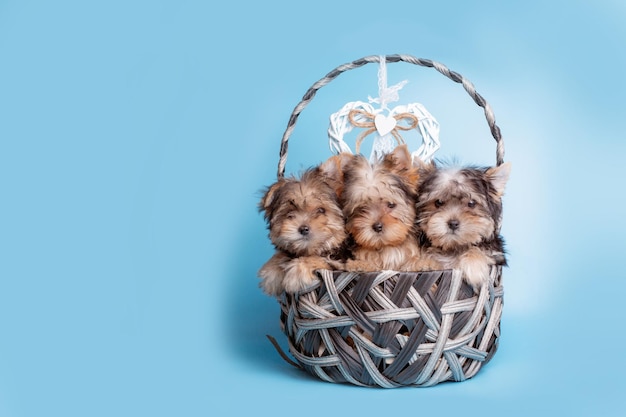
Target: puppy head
{"points": [[460, 206], [378, 199], [303, 215]]}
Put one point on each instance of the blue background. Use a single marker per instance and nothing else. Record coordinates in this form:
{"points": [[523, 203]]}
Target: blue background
{"points": [[135, 137]]}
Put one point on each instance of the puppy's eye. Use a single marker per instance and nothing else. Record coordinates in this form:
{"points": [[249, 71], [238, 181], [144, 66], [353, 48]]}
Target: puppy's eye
{"points": [[391, 205], [471, 204], [439, 203], [321, 210], [291, 216]]}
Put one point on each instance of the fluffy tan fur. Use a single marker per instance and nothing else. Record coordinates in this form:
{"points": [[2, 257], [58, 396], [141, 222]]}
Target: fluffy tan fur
{"points": [[305, 225], [378, 201]]}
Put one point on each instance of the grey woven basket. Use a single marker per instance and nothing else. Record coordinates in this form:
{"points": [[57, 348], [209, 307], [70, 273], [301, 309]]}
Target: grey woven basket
{"points": [[392, 329]]}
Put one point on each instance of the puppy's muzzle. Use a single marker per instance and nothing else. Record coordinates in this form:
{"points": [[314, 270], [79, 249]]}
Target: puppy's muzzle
{"points": [[304, 230], [377, 227]]}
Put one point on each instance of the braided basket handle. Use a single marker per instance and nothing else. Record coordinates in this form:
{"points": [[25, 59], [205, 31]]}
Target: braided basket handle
{"points": [[454, 76]]}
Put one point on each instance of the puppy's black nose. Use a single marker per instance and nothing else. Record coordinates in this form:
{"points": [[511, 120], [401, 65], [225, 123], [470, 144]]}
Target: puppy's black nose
{"points": [[378, 227], [304, 230], [453, 224]]}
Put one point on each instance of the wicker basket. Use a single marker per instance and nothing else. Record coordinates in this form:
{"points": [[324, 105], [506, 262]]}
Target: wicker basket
{"points": [[392, 329]]}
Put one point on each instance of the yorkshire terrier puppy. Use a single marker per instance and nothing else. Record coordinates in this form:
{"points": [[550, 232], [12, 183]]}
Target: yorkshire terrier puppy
{"points": [[378, 201], [457, 212], [306, 226]]}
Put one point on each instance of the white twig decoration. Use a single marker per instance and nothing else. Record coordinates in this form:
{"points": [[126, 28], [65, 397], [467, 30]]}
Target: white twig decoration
{"points": [[383, 126]]}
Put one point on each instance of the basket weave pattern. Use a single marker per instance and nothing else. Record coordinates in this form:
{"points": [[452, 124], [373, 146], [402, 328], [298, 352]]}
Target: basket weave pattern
{"points": [[391, 329]]}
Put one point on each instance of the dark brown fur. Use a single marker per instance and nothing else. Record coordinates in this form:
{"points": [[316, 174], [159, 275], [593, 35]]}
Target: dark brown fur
{"points": [[458, 215]]}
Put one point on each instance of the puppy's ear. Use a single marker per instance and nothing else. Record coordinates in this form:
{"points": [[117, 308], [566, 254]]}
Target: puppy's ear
{"points": [[402, 157], [332, 170], [424, 167], [498, 176], [269, 196], [400, 162]]}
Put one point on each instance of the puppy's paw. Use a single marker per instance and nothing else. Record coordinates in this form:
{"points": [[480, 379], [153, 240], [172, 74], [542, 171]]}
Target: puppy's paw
{"points": [[475, 268], [300, 274], [272, 276], [422, 263], [336, 265], [360, 265]]}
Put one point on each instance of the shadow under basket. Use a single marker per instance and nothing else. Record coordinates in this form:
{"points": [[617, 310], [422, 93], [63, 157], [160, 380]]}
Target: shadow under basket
{"points": [[392, 329]]}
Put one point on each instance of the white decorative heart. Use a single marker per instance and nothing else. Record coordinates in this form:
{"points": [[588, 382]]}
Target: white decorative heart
{"points": [[384, 124]]}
